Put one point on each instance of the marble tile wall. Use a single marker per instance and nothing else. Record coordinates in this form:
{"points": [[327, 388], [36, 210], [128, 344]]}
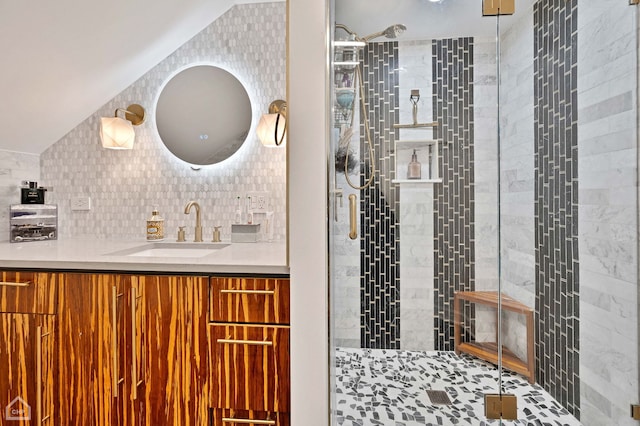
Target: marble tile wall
{"points": [[124, 186], [607, 194], [416, 205], [15, 167], [517, 174], [485, 147]]}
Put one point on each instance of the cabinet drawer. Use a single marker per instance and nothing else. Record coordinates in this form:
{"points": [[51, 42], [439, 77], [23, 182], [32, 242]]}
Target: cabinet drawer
{"points": [[249, 367], [250, 300], [28, 292], [227, 417]]}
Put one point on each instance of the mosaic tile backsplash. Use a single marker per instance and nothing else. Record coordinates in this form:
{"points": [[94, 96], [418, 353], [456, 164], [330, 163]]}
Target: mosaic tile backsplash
{"points": [[124, 186]]}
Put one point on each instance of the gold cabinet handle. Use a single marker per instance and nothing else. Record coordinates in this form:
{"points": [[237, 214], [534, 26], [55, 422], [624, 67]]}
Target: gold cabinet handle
{"points": [[245, 342], [233, 291], [134, 361], [39, 373], [12, 284], [248, 421], [353, 222], [114, 343]]}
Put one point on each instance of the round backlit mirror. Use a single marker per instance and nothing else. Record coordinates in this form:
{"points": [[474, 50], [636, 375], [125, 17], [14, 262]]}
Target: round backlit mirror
{"points": [[203, 115]]}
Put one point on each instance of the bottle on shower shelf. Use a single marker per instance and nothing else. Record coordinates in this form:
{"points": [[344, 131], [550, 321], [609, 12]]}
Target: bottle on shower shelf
{"points": [[414, 171]]}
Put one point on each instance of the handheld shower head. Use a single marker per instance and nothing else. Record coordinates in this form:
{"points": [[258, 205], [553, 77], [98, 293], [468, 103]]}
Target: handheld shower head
{"points": [[390, 32]]}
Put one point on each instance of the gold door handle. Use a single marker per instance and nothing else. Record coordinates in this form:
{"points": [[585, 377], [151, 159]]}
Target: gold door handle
{"points": [[134, 361], [13, 284], [248, 421], [353, 222], [233, 291], [245, 342], [114, 343], [39, 373]]}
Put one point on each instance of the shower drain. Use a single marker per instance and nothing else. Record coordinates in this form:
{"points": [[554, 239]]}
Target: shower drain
{"points": [[438, 397]]}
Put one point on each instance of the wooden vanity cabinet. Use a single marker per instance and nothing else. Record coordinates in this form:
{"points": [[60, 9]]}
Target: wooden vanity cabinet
{"points": [[249, 351], [131, 350], [27, 350]]}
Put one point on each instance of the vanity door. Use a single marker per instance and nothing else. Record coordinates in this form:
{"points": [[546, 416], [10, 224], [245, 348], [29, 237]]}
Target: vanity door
{"points": [[168, 334]]}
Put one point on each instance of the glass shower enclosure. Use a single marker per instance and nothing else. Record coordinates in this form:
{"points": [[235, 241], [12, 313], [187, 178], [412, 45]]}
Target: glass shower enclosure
{"points": [[484, 212]]}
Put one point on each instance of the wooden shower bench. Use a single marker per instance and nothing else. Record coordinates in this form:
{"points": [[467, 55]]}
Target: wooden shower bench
{"points": [[488, 351]]}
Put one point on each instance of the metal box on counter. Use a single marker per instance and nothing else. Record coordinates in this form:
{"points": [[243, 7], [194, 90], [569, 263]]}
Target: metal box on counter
{"points": [[33, 222]]}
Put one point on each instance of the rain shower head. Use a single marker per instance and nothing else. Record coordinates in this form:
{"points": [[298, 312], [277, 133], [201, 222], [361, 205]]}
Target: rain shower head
{"points": [[390, 32]]}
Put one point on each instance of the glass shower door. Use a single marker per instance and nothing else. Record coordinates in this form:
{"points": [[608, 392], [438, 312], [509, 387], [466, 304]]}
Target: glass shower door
{"points": [[414, 211]]}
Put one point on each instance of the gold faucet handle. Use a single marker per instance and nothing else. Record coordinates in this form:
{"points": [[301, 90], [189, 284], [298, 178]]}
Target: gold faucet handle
{"points": [[181, 234], [216, 234]]}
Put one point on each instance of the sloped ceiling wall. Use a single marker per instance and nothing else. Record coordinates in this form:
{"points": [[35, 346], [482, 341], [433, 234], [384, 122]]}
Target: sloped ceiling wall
{"points": [[63, 60]]}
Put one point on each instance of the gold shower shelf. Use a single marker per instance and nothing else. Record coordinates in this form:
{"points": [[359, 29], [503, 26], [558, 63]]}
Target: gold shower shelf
{"points": [[415, 125]]}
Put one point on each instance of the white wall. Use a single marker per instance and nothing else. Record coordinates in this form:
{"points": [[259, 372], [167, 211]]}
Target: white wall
{"points": [[15, 167], [308, 212]]}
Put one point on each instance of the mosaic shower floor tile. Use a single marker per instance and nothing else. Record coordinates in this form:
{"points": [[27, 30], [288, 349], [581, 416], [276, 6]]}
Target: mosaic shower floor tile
{"points": [[389, 388]]}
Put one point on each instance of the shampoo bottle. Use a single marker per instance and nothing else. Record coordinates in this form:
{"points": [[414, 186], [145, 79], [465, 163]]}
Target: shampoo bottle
{"points": [[414, 170], [155, 227]]}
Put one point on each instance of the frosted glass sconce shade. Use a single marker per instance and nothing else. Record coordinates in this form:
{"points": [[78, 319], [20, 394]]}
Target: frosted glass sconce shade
{"points": [[272, 128], [118, 133]]}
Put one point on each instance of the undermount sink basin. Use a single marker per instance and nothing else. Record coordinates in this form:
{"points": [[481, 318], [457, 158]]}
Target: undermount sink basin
{"points": [[161, 249]]}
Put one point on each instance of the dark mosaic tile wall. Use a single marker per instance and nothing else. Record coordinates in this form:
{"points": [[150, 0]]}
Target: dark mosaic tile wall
{"points": [[556, 203], [453, 204], [379, 204]]}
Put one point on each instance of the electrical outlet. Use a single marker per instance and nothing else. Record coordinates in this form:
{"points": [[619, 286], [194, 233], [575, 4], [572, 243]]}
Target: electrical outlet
{"points": [[80, 203], [259, 201]]}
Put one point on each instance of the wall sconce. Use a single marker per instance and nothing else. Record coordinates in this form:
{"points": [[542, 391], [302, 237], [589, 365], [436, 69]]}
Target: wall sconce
{"points": [[272, 128], [116, 132]]}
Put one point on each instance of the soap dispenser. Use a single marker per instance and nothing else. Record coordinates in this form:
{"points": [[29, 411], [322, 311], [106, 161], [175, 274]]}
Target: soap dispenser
{"points": [[155, 226], [414, 171]]}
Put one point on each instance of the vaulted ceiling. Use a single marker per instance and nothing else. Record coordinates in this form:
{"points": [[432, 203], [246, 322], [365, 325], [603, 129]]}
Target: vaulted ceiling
{"points": [[62, 60]]}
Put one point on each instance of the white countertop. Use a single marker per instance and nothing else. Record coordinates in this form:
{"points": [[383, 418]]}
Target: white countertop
{"points": [[106, 255]]}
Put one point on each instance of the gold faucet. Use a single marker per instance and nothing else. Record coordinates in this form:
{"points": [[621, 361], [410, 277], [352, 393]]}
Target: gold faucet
{"points": [[187, 208]]}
